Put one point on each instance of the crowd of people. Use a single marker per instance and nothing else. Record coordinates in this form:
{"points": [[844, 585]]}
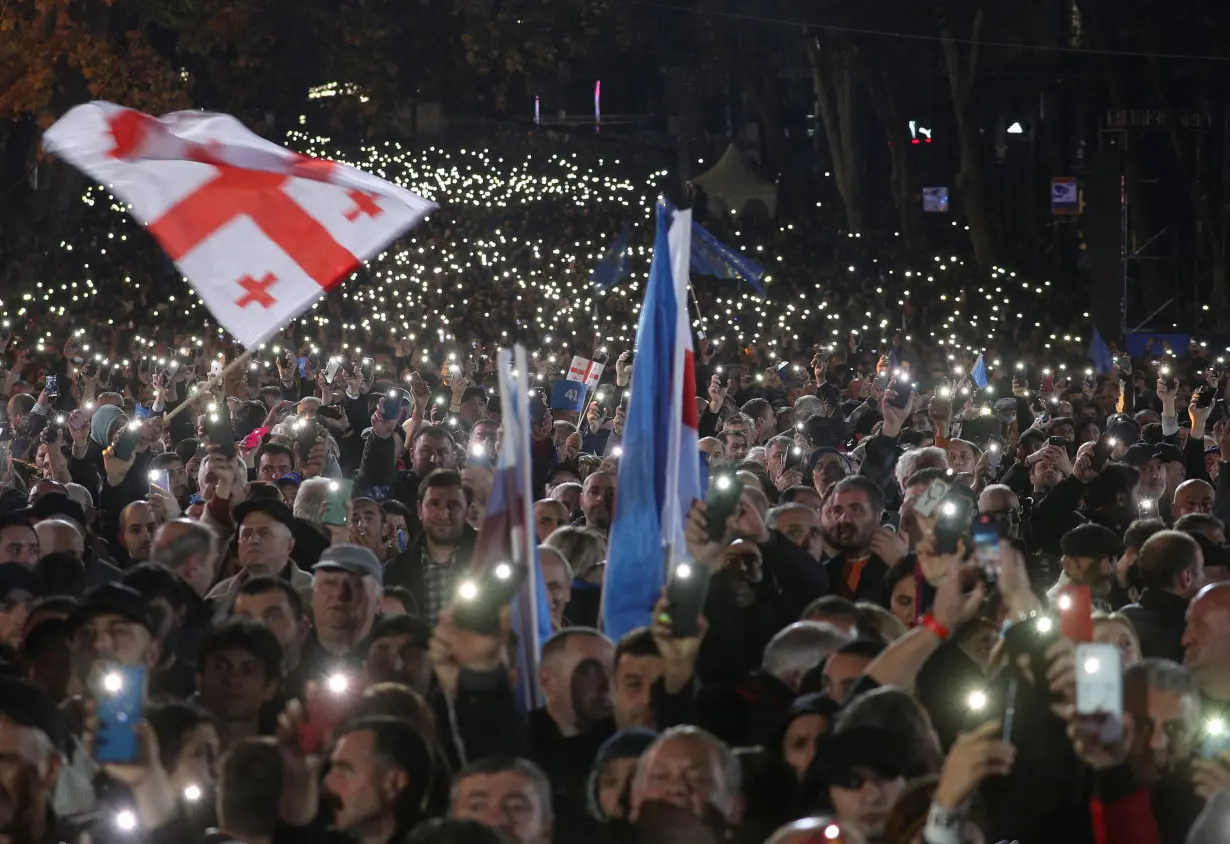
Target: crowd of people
{"points": [[231, 604]]}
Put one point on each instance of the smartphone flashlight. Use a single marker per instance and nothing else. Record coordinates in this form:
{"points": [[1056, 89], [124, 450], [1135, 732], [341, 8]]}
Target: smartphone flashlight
{"points": [[503, 571], [126, 820], [976, 700], [1064, 603], [192, 793], [468, 590], [113, 682], [1044, 624], [683, 571], [617, 451], [478, 450], [338, 683]]}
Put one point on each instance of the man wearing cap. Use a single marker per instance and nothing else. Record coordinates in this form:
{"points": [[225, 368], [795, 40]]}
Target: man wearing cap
{"points": [[1149, 460], [1171, 565], [111, 626], [266, 539], [1089, 554], [472, 407], [345, 604]]}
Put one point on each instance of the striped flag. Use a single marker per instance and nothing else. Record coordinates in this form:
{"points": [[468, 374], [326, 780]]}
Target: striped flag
{"points": [[659, 475], [508, 527]]}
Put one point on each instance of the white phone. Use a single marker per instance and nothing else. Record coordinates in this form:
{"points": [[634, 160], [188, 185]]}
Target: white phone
{"points": [[1099, 693], [931, 498]]}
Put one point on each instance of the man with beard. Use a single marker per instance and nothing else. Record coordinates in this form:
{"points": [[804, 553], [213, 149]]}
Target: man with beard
{"points": [[849, 522], [1149, 460], [380, 780], [597, 500], [435, 560], [136, 534], [1089, 554]]}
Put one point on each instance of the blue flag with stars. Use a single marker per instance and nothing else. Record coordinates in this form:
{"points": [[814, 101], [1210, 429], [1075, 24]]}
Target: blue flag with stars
{"points": [[614, 266], [1099, 353]]}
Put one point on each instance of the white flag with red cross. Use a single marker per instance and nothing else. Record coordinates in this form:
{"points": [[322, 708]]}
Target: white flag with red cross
{"points": [[585, 371], [261, 231]]}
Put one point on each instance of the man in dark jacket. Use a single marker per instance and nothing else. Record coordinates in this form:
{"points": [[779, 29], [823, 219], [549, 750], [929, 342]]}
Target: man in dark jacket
{"points": [[1172, 568], [848, 522]]}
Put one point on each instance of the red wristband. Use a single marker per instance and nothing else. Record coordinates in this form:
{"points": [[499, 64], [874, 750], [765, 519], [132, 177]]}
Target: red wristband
{"points": [[928, 621]]}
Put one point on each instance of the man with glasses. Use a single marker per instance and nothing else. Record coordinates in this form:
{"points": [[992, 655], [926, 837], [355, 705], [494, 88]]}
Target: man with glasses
{"points": [[266, 539], [1004, 506]]}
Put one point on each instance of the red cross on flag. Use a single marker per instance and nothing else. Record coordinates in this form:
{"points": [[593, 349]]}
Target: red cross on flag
{"points": [[261, 232], [585, 371]]}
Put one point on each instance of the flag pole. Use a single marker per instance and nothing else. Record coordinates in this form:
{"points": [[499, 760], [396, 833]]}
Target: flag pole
{"points": [[220, 378]]}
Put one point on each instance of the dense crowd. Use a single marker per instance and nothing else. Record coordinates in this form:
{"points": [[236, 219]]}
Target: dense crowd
{"points": [[239, 606]]}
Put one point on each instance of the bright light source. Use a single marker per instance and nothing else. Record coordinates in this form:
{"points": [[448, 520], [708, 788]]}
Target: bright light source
{"points": [[503, 571], [977, 700], [338, 683], [1015, 129], [113, 682], [126, 820], [468, 590], [192, 793]]}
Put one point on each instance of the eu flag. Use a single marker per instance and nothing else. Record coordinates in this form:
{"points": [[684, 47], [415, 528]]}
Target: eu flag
{"points": [[713, 258], [1099, 353], [614, 266], [978, 373]]}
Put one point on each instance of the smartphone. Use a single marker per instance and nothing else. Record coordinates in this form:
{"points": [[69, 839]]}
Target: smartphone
{"points": [[400, 538], [119, 699], [1048, 384], [792, 457], [685, 592], [1204, 396], [1147, 508], [331, 369], [538, 408], [254, 439], [305, 438], [994, 455], [215, 368], [903, 390], [478, 600], [1099, 694], [303, 362], [987, 534], [1102, 452], [365, 368], [1214, 737], [328, 701], [725, 491], [931, 498], [52, 386], [218, 429], [160, 478], [127, 442], [1075, 605], [55, 424], [390, 405], [335, 504]]}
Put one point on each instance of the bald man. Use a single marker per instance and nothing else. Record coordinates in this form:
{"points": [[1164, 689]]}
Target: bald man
{"points": [[136, 535], [62, 536], [1206, 639], [1194, 496]]}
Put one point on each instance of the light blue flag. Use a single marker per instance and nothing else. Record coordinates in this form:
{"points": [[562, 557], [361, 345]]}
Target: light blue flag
{"points": [[978, 373]]}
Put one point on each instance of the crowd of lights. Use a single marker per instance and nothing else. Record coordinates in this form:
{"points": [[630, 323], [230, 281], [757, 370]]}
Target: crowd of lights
{"points": [[419, 292]]}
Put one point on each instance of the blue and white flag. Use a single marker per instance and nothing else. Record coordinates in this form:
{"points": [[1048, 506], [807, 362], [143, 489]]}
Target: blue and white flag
{"points": [[614, 266], [978, 373], [659, 474], [508, 527]]}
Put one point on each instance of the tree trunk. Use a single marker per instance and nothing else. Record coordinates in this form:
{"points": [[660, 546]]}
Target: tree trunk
{"points": [[834, 78], [904, 184], [971, 182]]}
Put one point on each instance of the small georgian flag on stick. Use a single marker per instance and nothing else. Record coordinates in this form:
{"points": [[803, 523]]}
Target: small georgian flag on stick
{"points": [[261, 232]]}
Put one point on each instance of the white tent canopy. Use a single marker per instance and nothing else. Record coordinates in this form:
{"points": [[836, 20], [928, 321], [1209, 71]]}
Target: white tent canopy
{"points": [[731, 184]]}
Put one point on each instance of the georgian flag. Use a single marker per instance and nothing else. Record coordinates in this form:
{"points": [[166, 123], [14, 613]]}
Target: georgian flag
{"points": [[584, 371], [261, 232]]}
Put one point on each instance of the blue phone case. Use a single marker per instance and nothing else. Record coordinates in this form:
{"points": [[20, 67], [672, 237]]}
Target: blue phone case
{"points": [[119, 712]]}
